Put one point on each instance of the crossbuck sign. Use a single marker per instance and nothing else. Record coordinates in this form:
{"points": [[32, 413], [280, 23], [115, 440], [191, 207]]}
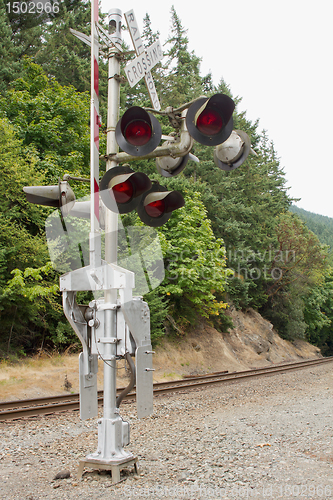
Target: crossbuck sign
{"points": [[147, 58]]}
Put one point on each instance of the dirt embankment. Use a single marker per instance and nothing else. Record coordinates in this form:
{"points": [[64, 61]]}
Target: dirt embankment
{"points": [[252, 343]]}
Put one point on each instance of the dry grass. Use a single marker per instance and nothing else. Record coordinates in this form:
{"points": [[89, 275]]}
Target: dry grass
{"points": [[204, 350], [38, 376], [45, 375]]}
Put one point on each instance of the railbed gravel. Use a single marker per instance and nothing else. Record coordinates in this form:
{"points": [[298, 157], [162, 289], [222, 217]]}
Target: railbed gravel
{"points": [[263, 438]]}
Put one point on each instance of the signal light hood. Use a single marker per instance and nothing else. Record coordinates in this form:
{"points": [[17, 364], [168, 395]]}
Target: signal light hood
{"points": [[58, 196], [232, 153]]}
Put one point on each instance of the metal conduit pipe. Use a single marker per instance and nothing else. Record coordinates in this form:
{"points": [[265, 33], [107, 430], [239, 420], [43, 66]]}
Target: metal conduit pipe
{"points": [[132, 381]]}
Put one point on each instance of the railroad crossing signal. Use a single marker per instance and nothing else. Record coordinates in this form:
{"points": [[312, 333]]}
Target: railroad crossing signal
{"points": [[206, 120], [118, 325], [233, 152], [121, 189], [168, 166]]}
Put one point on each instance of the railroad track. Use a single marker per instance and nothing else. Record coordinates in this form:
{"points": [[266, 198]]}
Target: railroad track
{"points": [[10, 410]]}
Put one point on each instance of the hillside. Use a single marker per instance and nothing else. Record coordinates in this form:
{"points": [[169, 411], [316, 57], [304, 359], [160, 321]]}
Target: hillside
{"points": [[251, 343], [321, 225]]}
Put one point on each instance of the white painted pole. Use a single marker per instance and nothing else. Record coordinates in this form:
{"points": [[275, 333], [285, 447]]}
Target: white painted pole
{"points": [[95, 236]]}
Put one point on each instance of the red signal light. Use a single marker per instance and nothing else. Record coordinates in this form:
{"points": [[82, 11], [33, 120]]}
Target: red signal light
{"points": [[155, 208], [123, 191], [209, 122], [138, 132], [157, 205]]}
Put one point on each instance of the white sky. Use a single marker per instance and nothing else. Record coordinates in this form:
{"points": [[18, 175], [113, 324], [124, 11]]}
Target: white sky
{"points": [[277, 56]]}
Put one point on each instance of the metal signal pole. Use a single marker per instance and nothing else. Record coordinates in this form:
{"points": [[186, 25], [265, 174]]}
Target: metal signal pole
{"points": [[116, 325], [111, 218]]}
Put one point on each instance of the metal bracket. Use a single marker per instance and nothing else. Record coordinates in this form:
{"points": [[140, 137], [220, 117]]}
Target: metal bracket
{"points": [[119, 78], [144, 381], [108, 340], [105, 277], [137, 317], [88, 364]]}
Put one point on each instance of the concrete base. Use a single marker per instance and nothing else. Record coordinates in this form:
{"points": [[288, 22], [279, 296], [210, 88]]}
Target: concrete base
{"points": [[114, 466]]}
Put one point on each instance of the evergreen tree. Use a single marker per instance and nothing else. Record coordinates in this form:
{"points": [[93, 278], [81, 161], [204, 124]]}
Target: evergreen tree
{"points": [[182, 81], [196, 273], [10, 65], [45, 133], [243, 206], [26, 28], [148, 34], [22, 244], [62, 55], [321, 225]]}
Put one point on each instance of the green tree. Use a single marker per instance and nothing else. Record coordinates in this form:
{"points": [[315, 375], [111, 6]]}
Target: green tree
{"points": [[243, 206], [195, 260], [65, 57], [298, 264], [148, 34], [318, 314], [321, 225], [31, 312], [299, 255], [62, 55], [47, 40], [45, 121], [51, 119], [21, 241]]}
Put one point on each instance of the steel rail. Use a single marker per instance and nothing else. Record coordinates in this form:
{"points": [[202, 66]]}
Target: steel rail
{"points": [[247, 374], [10, 410]]}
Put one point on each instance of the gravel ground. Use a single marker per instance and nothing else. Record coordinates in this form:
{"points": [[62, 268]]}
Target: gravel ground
{"points": [[264, 438]]}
